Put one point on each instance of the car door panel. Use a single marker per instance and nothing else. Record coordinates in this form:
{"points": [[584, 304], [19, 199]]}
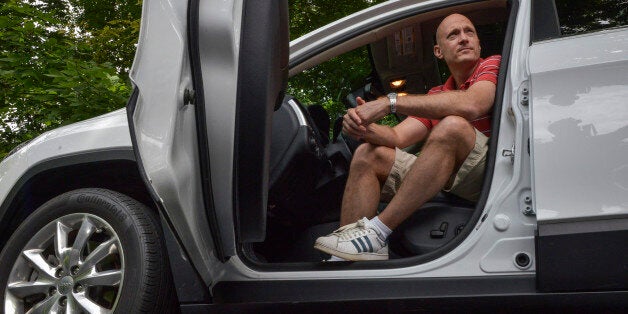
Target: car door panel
{"points": [[579, 154], [195, 103], [163, 127], [580, 128]]}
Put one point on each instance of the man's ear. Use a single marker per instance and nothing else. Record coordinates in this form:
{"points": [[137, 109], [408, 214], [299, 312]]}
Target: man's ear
{"points": [[437, 52]]}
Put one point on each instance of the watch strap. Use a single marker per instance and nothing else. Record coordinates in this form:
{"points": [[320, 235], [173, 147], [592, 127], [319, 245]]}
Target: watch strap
{"points": [[392, 97]]}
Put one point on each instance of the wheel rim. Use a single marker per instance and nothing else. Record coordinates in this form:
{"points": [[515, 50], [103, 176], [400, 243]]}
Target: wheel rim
{"points": [[74, 264]]}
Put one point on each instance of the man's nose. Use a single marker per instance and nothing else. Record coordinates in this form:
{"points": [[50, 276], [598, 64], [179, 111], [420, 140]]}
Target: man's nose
{"points": [[463, 37]]}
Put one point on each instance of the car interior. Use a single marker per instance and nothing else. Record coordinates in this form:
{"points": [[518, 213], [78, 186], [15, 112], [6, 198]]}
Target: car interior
{"points": [[310, 158]]}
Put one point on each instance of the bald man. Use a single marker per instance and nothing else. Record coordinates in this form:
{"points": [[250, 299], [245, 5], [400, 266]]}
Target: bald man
{"points": [[454, 121]]}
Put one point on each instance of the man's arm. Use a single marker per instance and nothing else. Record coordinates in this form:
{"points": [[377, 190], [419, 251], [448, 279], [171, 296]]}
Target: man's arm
{"points": [[404, 134], [469, 104]]}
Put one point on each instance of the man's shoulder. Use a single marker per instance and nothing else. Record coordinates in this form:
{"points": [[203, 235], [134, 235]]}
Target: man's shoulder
{"points": [[487, 70], [486, 67], [492, 60]]}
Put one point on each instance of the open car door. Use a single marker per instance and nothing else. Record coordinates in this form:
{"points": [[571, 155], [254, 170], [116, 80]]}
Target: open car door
{"points": [[207, 78]]}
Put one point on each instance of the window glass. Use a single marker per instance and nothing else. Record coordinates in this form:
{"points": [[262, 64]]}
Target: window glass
{"points": [[329, 83], [581, 16], [308, 15]]}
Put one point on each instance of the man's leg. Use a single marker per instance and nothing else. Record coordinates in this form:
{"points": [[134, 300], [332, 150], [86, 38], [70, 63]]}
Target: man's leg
{"points": [[448, 145], [369, 169], [445, 150]]}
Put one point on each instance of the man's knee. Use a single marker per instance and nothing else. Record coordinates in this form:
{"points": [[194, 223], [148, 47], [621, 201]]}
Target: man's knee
{"points": [[378, 158], [453, 130]]}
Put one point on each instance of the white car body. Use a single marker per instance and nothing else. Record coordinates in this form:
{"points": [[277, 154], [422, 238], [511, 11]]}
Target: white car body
{"points": [[568, 182]]}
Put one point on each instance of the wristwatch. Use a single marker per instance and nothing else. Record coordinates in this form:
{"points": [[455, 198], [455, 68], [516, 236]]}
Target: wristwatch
{"points": [[393, 102]]}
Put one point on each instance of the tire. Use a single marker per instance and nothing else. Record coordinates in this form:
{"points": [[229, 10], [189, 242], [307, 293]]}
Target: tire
{"points": [[88, 250]]}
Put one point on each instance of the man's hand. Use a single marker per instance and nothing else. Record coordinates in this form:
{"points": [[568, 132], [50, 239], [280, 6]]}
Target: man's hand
{"points": [[352, 124], [407, 132], [357, 120], [369, 112]]}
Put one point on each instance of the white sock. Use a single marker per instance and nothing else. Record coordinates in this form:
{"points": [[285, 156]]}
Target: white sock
{"points": [[384, 231], [335, 258]]}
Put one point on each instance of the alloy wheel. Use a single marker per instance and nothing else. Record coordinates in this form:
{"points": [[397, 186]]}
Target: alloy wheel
{"points": [[74, 264]]}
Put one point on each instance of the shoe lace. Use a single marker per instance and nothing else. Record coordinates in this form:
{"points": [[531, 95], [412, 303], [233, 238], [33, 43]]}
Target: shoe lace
{"points": [[352, 231], [345, 227]]}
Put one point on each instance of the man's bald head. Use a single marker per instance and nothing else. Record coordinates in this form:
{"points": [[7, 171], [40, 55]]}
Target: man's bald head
{"points": [[447, 21], [457, 41]]}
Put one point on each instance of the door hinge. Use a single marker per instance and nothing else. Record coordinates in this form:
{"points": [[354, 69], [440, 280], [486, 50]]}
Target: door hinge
{"points": [[526, 205], [525, 100]]}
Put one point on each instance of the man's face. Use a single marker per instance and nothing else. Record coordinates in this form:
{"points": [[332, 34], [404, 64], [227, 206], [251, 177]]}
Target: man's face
{"points": [[457, 41]]}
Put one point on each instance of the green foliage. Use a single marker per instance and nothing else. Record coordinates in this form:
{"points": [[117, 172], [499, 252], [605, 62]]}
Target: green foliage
{"points": [[115, 44], [55, 70], [330, 82], [579, 16], [308, 15], [62, 61], [114, 27]]}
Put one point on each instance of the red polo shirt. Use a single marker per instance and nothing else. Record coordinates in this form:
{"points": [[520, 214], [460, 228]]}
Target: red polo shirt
{"points": [[485, 70]]}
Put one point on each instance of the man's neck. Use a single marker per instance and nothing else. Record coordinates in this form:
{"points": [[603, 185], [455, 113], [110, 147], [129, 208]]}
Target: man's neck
{"points": [[462, 72]]}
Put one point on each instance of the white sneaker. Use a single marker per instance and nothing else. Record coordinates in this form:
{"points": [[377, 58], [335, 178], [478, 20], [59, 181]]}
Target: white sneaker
{"points": [[355, 242]]}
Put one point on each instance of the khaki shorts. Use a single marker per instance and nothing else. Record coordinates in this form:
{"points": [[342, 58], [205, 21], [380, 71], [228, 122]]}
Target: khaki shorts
{"points": [[466, 183]]}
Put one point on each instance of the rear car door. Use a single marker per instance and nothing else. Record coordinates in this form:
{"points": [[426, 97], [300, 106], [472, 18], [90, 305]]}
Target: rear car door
{"points": [[579, 70], [204, 73]]}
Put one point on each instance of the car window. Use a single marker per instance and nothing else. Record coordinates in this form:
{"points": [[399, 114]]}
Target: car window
{"points": [[561, 18], [582, 16], [308, 15], [328, 83]]}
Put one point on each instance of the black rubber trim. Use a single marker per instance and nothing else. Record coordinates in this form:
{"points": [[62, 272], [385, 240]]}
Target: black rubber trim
{"points": [[130, 108], [190, 287], [601, 302], [201, 128], [544, 22], [486, 186], [262, 79], [92, 156], [582, 255], [508, 293], [369, 289], [430, 7]]}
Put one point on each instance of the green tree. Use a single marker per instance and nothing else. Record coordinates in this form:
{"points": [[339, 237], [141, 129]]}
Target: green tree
{"points": [[113, 26], [110, 27], [579, 16], [55, 69], [328, 83], [62, 61], [308, 15]]}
